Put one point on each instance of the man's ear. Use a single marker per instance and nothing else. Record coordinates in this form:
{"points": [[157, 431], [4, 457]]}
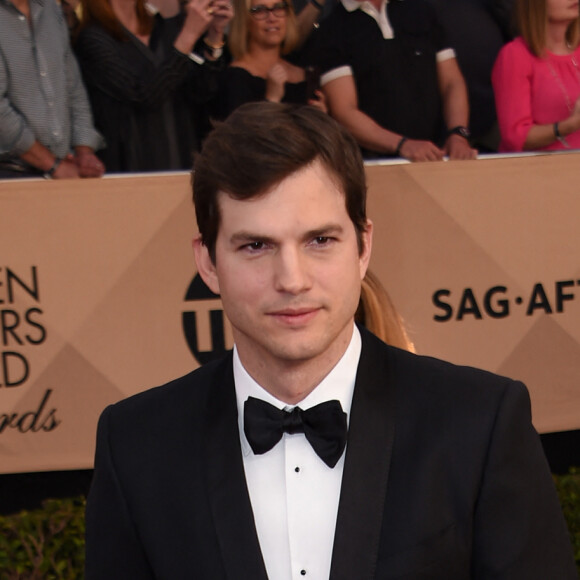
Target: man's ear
{"points": [[205, 266], [367, 245]]}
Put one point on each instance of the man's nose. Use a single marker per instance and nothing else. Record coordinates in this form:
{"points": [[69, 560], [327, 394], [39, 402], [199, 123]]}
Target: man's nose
{"points": [[292, 273]]}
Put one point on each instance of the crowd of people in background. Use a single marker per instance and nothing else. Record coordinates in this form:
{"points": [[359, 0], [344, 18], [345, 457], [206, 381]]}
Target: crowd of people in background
{"points": [[141, 85]]}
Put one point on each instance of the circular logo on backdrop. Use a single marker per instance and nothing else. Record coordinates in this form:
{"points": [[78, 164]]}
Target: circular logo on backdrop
{"points": [[204, 323]]}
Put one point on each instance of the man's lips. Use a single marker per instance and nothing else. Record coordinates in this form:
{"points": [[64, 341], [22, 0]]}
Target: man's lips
{"points": [[295, 316]]}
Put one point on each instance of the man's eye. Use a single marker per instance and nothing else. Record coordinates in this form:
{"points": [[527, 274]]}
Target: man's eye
{"points": [[321, 240], [254, 246]]}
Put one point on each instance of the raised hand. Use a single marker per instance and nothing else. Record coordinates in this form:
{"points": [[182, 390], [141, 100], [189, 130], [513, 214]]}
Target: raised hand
{"points": [[275, 83]]}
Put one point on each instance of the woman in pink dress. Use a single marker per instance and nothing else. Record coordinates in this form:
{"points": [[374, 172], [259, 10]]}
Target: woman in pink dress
{"points": [[536, 79]]}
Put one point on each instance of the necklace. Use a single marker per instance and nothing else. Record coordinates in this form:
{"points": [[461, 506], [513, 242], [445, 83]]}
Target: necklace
{"points": [[560, 83]]}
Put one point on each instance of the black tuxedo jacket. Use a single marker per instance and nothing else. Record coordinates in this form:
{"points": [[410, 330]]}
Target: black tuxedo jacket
{"points": [[444, 479]]}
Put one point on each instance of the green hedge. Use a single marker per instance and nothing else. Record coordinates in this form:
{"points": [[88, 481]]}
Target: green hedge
{"points": [[44, 544], [568, 487], [48, 543]]}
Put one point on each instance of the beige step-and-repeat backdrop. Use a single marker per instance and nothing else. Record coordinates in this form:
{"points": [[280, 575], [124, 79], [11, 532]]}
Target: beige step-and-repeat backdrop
{"points": [[99, 297]]}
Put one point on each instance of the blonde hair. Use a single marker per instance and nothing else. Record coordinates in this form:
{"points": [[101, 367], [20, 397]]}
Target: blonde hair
{"points": [[532, 18], [377, 312], [238, 36]]}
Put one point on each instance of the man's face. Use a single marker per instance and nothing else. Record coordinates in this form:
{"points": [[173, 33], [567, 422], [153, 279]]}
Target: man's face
{"points": [[288, 270]]}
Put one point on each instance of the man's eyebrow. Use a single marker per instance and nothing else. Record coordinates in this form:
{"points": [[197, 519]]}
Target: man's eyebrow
{"points": [[325, 230], [247, 236]]}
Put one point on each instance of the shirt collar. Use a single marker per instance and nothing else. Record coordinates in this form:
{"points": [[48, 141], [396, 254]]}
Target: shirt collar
{"points": [[338, 384], [379, 16]]}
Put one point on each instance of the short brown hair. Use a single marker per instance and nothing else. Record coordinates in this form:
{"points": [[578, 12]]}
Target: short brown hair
{"points": [[238, 32], [260, 145], [532, 17]]}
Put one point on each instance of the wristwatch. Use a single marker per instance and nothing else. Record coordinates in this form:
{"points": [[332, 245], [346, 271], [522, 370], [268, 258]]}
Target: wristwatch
{"points": [[49, 173], [461, 131]]}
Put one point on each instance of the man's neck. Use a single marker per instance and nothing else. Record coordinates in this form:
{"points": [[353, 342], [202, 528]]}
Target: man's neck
{"points": [[292, 385], [292, 381]]}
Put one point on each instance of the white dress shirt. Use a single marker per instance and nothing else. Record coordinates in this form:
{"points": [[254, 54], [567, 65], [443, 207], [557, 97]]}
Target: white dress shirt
{"points": [[294, 494]]}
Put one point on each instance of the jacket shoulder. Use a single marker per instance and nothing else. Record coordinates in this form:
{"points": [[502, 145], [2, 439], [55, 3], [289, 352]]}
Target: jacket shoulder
{"points": [[425, 376], [186, 394]]}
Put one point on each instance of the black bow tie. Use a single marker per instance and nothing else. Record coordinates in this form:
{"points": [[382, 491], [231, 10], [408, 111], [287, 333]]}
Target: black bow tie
{"points": [[323, 425]]}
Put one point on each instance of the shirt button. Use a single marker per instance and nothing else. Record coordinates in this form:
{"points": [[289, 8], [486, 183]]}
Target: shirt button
{"points": [[42, 73], [22, 18], [303, 572], [297, 469]]}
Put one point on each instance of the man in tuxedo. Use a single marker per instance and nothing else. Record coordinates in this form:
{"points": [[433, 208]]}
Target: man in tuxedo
{"points": [[314, 450]]}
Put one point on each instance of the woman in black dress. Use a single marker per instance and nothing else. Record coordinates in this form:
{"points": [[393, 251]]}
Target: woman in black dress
{"points": [[261, 32], [149, 78]]}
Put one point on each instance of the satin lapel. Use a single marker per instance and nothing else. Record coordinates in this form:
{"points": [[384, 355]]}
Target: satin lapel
{"points": [[366, 469], [229, 499]]}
